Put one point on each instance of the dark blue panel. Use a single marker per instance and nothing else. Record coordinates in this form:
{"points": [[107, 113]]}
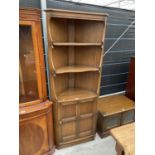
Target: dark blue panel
{"points": [[112, 89], [30, 3]]}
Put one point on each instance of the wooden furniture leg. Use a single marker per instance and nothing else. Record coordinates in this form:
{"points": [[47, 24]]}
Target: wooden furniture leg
{"points": [[119, 149]]}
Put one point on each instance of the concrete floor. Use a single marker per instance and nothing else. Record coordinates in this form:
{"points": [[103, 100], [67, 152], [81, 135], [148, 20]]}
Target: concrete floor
{"points": [[104, 146]]}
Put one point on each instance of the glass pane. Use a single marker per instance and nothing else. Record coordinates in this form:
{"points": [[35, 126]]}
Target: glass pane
{"points": [[28, 88]]}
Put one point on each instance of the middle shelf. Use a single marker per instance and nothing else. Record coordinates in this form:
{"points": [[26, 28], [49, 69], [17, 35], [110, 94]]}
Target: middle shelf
{"points": [[76, 44], [75, 69], [75, 59]]}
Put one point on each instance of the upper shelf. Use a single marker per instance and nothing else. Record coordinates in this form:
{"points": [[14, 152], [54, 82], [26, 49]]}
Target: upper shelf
{"points": [[75, 44], [75, 69]]}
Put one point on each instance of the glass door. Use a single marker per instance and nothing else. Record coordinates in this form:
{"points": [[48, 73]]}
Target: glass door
{"points": [[28, 90]]}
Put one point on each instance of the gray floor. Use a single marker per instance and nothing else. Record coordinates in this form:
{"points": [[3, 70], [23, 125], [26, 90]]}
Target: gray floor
{"points": [[105, 146]]}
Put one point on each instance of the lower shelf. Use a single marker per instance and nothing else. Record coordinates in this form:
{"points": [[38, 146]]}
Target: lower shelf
{"points": [[75, 69], [75, 94]]}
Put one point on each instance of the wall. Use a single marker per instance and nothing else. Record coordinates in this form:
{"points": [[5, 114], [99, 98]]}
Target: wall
{"points": [[116, 61]]}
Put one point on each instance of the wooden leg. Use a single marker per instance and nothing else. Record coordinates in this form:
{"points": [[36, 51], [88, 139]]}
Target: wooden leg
{"points": [[119, 150]]}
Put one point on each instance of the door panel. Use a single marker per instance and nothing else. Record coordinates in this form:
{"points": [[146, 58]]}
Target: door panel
{"points": [[86, 107], [68, 111], [85, 124], [77, 119], [68, 130]]}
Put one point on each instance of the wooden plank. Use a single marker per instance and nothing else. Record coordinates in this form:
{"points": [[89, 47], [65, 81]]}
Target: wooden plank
{"points": [[75, 44], [74, 69]]}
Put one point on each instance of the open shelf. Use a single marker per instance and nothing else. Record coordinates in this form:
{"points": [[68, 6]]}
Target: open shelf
{"points": [[75, 69], [73, 94], [76, 32], [84, 58], [72, 85], [75, 44]]}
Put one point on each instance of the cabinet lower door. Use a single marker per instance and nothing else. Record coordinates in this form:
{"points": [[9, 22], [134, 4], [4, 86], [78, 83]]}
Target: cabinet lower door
{"points": [[76, 120]]}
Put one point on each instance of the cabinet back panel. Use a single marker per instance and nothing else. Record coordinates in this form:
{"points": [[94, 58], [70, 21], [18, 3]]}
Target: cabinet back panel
{"points": [[87, 80], [59, 29], [61, 83], [89, 31], [60, 56], [74, 30], [89, 56]]}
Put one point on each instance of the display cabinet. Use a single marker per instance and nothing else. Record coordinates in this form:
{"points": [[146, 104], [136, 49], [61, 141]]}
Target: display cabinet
{"points": [[35, 112], [75, 50], [32, 84]]}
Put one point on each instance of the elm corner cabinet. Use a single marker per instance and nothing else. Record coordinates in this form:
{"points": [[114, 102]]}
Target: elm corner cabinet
{"points": [[35, 111], [75, 50]]}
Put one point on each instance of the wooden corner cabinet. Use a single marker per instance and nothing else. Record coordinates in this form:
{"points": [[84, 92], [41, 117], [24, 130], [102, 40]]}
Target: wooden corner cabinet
{"points": [[35, 112], [75, 50]]}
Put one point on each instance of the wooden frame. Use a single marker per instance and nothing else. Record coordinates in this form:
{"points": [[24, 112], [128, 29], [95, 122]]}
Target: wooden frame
{"points": [[35, 117], [31, 17], [75, 50]]}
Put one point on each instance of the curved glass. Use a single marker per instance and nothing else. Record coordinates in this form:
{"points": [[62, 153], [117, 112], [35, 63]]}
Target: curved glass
{"points": [[28, 87]]}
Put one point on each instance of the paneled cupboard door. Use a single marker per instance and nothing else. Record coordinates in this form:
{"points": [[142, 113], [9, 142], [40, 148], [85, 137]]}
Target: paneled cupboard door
{"points": [[30, 80], [76, 119]]}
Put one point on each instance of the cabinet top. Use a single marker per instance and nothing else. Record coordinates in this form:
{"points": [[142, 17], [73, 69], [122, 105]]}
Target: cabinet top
{"points": [[59, 13], [35, 109], [29, 14]]}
